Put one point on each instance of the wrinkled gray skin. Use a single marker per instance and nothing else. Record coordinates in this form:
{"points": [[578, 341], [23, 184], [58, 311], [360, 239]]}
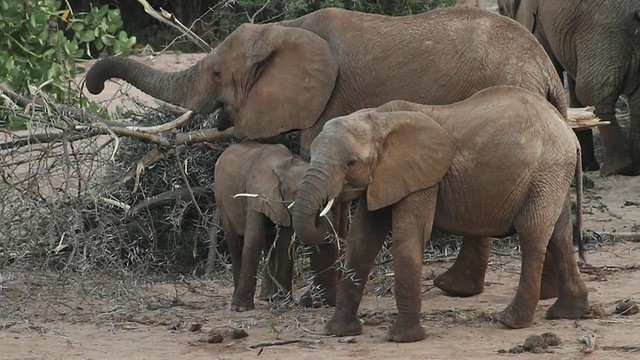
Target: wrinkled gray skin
{"points": [[418, 167], [298, 74], [598, 44], [249, 224]]}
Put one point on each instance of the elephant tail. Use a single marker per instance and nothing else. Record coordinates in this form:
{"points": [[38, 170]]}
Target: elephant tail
{"points": [[557, 97], [578, 238]]}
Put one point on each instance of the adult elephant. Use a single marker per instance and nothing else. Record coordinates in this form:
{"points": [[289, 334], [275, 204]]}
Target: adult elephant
{"points": [[598, 44], [417, 167], [298, 74]]}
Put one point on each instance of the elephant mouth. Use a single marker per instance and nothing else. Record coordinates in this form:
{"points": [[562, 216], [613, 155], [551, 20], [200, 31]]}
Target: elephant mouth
{"points": [[224, 120]]}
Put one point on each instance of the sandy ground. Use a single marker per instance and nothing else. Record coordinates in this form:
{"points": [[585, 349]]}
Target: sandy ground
{"points": [[168, 321]]}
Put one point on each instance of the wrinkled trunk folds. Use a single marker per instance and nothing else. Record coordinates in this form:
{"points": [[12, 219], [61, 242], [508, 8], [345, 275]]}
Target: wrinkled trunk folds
{"points": [[309, 201]]}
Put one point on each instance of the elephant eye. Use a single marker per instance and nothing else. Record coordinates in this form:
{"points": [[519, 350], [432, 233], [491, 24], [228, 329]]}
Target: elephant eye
{"points": [[216, 73], [352, 162]]}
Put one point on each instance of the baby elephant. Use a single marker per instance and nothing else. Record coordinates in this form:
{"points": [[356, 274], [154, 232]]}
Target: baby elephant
{"points": [[498, 163], [249, 223]]}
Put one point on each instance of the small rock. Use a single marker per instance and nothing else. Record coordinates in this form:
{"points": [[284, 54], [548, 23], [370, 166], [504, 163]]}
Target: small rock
{"points": [[195, 327], [347, 340], [174, 326], [215, 339], [626, 307], [589, 342], [153, 306], [538, 350], [502, 351], [372, 321], [238, 334], [516, 349]]}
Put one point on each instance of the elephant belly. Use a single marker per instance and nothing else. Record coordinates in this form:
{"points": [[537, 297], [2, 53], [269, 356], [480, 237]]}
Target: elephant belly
{"points": [[477, 216]]}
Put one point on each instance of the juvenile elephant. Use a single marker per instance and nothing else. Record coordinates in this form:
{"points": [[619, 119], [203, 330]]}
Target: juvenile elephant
{"points": [[598, 44], [249, 224], [298, 74], [498, 163]]}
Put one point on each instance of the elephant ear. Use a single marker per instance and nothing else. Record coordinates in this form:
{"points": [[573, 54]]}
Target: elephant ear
{"points": [[416, 154], [268, 186], [294, 83], [526, 12]]}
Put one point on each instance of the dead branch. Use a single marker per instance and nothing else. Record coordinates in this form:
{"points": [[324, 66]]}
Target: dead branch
{"points": [[273, 343], [179, 121], [202, 136], [169, 198], [622, 236], [169, 19], [63, 110]]}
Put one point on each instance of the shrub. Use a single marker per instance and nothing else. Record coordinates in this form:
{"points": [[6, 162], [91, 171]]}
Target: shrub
{"points": [[41, 42]]}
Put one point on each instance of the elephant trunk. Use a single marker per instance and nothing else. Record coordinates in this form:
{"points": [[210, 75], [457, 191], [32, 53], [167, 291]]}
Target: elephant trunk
{"points": [[309, 202], [172, 87]]}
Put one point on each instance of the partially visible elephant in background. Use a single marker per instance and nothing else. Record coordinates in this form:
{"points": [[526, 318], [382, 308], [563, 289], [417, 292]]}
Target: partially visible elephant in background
{"points": [[298, 74], [498, 163], [598, 44], [249, 223]]}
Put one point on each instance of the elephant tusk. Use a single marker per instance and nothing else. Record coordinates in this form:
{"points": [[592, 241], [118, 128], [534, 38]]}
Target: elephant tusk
{"points": [[327, 208], [245, 195], [290, 205]]}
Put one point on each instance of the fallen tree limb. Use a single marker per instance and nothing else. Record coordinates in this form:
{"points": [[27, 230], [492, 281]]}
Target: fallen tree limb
{"points": [[170, 197], [622, 236], [273, 343]]}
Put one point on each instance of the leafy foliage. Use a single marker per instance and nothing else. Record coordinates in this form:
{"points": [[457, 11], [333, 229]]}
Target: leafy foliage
{"points": [[41, 42]]}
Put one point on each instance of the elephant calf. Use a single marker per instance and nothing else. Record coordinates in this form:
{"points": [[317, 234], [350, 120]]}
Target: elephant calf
{"points": [[249, 224], [499, 163]]}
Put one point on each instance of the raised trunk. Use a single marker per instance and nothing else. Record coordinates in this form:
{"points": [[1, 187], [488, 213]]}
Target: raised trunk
{"points": [[171, 87], [308, 203]]}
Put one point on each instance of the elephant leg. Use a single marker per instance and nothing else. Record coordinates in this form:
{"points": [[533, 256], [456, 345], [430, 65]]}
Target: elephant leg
{"points": [[367, 234], [323, 261], [412, 223], [254, 243], [634, 130], [534, 238], [269, 285], [585, 137], [280, 267], [234, 245], [572, 300], [550, 285], [617, 159], [324, 267], [466, 276]]}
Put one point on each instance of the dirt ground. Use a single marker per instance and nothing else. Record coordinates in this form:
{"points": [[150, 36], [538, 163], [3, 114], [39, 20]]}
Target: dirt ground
{"points": [[65, 320]]}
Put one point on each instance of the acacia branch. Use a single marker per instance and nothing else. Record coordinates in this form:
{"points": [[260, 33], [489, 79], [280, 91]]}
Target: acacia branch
{"points": [[170, 197]]}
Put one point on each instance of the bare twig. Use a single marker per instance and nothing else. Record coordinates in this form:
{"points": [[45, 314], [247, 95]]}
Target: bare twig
{"points": [[168, 18]]}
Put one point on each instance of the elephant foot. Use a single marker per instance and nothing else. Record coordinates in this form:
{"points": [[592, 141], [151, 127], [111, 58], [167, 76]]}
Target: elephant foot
{"points": [[242, 306], [343, 326], [309, 301], [590, 165], [549, 289], [406, 331], [568, 309], [617, 165], [460, 283], [514, 319]]}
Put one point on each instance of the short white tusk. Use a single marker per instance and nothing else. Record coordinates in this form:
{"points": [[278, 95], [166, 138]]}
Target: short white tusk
{"points": [[245, 195], [290, 205], [327, 208]]}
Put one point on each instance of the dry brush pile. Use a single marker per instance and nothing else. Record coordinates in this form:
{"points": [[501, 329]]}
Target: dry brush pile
{"points": [[78, 191]]}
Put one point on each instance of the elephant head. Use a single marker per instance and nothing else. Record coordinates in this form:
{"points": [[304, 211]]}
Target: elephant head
{"points": [[282, 76], [524, 11], [386, 152]]}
